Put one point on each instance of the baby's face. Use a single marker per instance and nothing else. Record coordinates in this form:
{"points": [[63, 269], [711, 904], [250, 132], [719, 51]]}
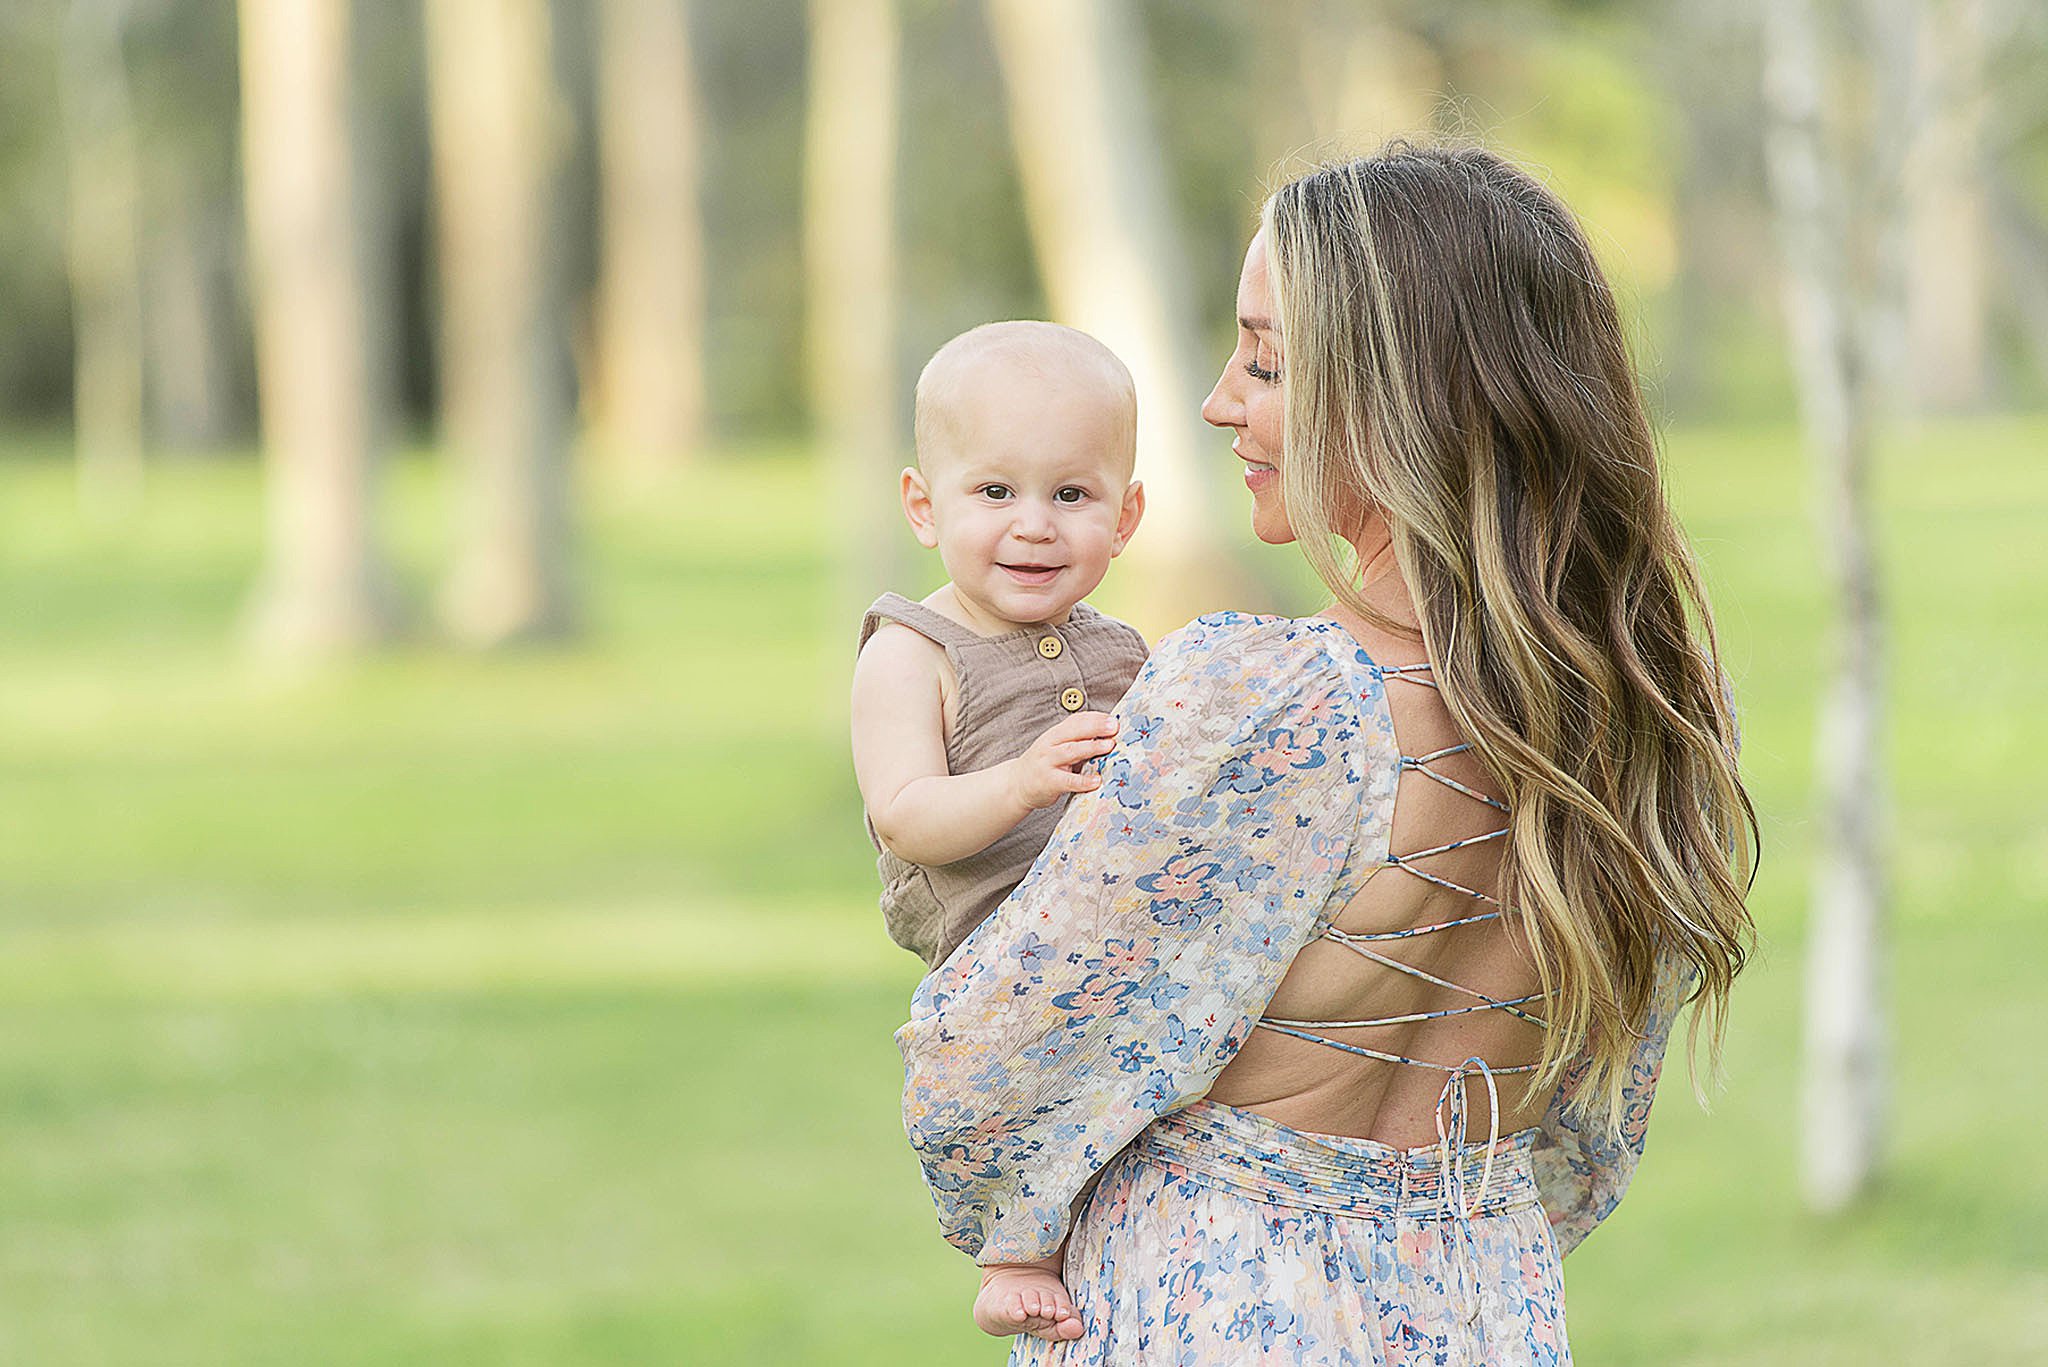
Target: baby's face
{"points": [[1032, 497]]}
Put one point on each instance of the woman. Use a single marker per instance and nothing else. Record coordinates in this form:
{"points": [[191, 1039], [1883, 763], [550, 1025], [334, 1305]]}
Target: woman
{"points": [[1354, 979]]}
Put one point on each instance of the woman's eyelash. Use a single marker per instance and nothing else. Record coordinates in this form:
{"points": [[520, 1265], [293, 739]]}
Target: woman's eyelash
{"points": [[1259, 372]]}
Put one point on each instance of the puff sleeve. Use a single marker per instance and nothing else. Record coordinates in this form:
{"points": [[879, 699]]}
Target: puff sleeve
{"points": [[1129, 966]]}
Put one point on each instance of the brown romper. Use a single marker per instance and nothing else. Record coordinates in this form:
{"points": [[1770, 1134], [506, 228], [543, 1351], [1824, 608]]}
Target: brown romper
{"points": [[1011, 688]]}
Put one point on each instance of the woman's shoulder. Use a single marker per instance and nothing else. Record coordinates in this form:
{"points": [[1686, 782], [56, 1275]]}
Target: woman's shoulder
{"points": [[1234, 676], [1256, 643]]}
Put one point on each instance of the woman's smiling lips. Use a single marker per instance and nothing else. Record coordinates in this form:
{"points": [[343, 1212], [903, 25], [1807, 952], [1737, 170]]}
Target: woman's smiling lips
{"points": [[1035, 575], [1256, 475]]}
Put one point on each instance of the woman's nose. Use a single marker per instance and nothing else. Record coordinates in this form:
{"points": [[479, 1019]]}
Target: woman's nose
{"points": [[1223, 408]]}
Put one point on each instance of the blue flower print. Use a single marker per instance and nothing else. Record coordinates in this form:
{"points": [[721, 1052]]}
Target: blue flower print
{"points": [[1289, 747], [1180, 889], [1158, 1092], [1121, 785], [1032, 954], [1185, 915], [1242, 811], [1053, 1049], [1198, 812], [1138, 827], [1240, 775], [1131, 1055], [1269, 938], [1161, 991], [1095, 993], [1137, 732], [1125, 958], [1244, 872]]}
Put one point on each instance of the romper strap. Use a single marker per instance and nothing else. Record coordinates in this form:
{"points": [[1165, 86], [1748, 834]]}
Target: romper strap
{"points": [[933, 625]]}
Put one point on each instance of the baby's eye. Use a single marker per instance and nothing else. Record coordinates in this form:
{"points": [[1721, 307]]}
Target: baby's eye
{"points": [[997, 492], [1071, 494]]}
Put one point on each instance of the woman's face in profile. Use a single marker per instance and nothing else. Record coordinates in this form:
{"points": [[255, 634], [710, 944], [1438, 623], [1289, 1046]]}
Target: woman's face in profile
{"points": [[1251, 395]]}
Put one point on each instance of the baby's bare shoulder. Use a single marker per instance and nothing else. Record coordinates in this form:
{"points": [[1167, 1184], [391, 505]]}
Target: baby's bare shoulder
{"points": [[902, 671], [897, 653]]}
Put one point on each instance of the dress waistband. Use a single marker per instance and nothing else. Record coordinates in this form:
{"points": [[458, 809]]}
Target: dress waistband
{"points": [[1237, 1150]]}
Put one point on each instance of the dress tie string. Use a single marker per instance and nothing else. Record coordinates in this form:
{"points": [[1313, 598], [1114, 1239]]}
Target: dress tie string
{"points": [[1453, 1161]]}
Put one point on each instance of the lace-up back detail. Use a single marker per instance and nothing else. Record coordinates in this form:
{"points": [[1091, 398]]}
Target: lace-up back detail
{"points": [[1380, 947]]}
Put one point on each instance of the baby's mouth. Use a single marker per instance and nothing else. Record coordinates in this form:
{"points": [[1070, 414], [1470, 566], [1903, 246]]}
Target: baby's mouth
{"points": [[1031, 574]]}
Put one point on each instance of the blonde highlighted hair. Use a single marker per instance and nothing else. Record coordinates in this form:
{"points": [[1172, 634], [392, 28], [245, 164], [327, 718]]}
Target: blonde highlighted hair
{"points": [[1454, 358]]}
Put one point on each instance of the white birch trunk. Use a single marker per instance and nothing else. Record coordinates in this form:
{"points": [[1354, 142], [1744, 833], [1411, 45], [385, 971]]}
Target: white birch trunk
{"points": [[323, 588], [850, 287], [1838, 331], [649, 364], [106, 273], [1102, 225], [498, 129]]}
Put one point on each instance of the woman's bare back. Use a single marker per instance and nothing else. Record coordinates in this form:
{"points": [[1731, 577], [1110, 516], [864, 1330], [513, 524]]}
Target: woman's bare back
{"points": [[1306, 1083]]}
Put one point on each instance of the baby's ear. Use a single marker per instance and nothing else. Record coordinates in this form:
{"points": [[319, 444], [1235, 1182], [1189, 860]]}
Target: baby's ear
{"points": [[1128, 517], [917, 507]]}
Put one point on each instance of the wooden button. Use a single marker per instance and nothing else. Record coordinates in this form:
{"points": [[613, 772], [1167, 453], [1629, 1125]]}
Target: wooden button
{"points": [[1051, 646], [1073, 699]]}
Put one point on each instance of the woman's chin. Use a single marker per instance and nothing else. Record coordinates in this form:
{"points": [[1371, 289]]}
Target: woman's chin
{"points": [[1272, 531]]}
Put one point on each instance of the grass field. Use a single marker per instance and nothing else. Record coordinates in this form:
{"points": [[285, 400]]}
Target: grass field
{"points": [[532, 1009]]}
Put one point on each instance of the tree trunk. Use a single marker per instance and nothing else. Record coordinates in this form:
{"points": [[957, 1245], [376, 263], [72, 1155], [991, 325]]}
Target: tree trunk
{"points": [[323, 587], [498, 128], [1697, 49], [188, 325], [1838, 327], [2022, 242], [850, 264], [649, 403], [1102, 224], [106, 284], [1947, 284], [1364, 75]]}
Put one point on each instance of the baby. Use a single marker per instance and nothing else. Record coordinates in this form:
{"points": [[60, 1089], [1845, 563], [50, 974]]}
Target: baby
{"points": [[975, 709]]}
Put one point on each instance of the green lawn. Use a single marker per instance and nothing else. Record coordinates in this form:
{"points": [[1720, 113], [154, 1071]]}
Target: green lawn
{"points": [[533, 1008]]}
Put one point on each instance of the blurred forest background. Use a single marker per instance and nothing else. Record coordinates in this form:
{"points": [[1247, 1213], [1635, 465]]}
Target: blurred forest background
{"points": [[444, 448]]}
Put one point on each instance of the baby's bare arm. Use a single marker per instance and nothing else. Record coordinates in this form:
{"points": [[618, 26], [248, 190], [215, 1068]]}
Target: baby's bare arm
{"points": [[921, 812]]}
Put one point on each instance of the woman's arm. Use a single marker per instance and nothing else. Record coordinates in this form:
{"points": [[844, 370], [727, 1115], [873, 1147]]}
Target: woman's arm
{"points": [[1584, 1167], [1129, 965]]}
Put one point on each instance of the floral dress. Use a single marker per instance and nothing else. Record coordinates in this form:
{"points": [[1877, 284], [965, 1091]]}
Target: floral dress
{"points": [[1076, 1031]]}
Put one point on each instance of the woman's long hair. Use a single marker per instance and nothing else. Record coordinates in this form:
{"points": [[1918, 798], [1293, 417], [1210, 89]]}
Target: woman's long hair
{"points": [[1454, 357]]}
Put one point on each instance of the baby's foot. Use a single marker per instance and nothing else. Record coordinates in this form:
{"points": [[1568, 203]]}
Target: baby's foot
{"points": [[1025, 1300]]}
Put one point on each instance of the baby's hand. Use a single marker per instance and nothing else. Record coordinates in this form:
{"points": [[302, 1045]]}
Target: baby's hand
{"points": [[1046, 772]]}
